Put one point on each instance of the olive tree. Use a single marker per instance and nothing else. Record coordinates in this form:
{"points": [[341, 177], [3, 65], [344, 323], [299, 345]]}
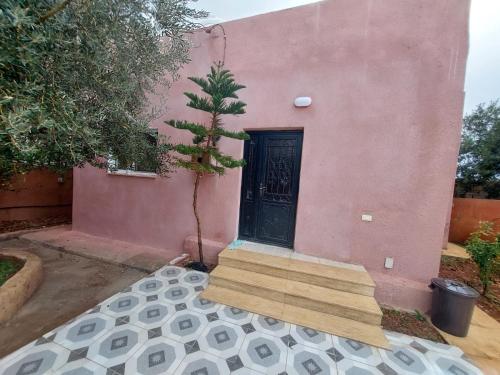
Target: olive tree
{"points": [[75, 77]]}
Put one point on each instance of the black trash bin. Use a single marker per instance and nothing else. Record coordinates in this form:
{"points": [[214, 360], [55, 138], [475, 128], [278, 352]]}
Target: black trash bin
{"points": [[452, 305]]}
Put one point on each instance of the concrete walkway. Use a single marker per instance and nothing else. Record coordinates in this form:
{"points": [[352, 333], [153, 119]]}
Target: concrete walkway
{"points": [[71, 285], [118, 252], [482, 343], [454, 250], [160, 325]]}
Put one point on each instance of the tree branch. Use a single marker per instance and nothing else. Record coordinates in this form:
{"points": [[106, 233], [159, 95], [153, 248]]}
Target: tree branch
{"points": [[54, 10]]}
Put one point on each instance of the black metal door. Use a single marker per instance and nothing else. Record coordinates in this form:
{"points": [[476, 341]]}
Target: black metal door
{"points": [[270, 187]]}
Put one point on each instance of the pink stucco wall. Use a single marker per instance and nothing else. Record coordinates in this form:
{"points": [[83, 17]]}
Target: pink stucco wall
{"points": [[381, 137]]}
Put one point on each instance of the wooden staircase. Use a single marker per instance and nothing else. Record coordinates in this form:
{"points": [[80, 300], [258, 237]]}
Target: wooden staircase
{"points": [[332, 299]]}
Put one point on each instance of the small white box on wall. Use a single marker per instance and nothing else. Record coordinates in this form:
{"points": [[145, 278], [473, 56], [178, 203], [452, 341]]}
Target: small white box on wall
{"points": [[389, 263], [366, 217], [302, 101]]}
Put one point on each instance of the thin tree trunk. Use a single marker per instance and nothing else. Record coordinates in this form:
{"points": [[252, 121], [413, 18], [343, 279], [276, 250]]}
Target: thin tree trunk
{"points": [[56, 9], [195, 209], [486, 288]]}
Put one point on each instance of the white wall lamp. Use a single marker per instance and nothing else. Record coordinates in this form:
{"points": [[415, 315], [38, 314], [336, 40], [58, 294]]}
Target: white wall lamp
{"points": [[302, 101]]}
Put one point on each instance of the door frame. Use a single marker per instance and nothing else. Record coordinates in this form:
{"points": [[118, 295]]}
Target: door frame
{"points": [[300, 133]]}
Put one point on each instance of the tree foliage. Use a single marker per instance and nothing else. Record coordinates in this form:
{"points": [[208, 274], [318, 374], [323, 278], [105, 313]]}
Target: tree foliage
{"points": [[202, 155], [74, 78], [479, 159], [205, 155]]}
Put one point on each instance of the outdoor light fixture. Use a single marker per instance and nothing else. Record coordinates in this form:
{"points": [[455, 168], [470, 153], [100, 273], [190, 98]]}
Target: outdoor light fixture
{"points": [[302, 101]]}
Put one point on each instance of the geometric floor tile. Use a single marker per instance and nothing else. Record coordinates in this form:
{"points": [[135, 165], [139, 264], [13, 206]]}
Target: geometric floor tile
{"points": [[222, 339], [356, 368], [195, 278], [235, 315], [405, 359], [84, 331], [397, 338], [451, 365], [123, 304], [234, 363], [305, 360], [270, 325], [40, 342], [36, 360], [289, 341], [191, 346], [357, 351], [170, 273], [158, 356], [247, 371], [151, 315], [202, 305], [263, 353], [185, 326], [236, 367], [78, 353], [200, 363], [335, 355], [159, 325], [310, 337], [178, 293], [81, 367], [248, 328], [149, 285], [117, 345], [439, 347]]}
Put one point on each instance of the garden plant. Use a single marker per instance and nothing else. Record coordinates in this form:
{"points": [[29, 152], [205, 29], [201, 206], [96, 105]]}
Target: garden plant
{"points": [[8, 267], [203, 156], [483, 246]]}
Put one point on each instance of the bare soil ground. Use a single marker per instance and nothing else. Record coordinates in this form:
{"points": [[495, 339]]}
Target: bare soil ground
{"points": [[72, 284], [466, 271], [15, 225], [409, 324]]}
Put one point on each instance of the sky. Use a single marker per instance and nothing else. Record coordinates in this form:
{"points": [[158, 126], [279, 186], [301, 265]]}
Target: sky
{"points": [[482, 80]]}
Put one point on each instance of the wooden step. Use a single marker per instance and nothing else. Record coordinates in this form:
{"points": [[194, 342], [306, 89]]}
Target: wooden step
{"points": [[367, 333], [326, 276], [330, 301]]}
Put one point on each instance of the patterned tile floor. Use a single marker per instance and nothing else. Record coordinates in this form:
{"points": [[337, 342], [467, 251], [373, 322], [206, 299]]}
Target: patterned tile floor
{"points": [[159, 325]]}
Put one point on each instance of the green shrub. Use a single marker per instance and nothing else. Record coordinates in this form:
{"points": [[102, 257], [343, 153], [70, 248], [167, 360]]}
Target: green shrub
{"points": [[8, 267], [483, 246]]}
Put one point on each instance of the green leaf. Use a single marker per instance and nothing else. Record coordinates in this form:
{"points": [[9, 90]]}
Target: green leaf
{"points": [[234, 108], [203, 83], [200, 103], [220, 86], [196, 129], [235, 135], [227, 161], [188, 149], [483, 246]]}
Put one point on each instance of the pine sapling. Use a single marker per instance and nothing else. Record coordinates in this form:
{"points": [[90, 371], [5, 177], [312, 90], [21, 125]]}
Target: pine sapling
{"points": [[202, 156]]}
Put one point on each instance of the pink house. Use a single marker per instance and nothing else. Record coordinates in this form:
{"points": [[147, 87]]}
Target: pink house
{"points": [[363, 175]]}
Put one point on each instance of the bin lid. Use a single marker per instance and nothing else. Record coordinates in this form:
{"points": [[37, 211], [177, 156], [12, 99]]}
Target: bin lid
{"points": [[455, 287]]}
